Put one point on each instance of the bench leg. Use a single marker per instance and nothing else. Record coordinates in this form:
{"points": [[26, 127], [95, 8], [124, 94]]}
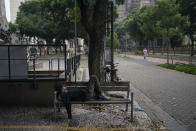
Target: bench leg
{"points": [[126, 108], [132, 107], [59, 107]]}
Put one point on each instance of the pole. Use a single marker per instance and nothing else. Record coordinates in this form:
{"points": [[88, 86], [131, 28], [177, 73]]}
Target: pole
{"points": [[34, 75], [75, 41], [126, 45], [105, 39], [58, 68], [65, 62], [112, 44], [9, 66]]}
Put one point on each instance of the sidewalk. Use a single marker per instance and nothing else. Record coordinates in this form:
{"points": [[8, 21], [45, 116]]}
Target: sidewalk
{"points": [[85, 117], [141, 119]]}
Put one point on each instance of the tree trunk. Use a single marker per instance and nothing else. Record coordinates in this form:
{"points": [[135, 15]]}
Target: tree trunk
{"points": [[167, 47], [95, 57], [167, 52], [162, 46], [93, 18], [174, 51], [153, 47], [148, 47], [192, 48]]}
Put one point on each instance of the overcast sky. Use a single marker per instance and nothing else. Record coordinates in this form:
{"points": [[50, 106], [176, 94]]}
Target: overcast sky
{"points": [[7, 6]]}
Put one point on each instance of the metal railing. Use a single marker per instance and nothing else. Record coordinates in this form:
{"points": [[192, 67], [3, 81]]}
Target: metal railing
{"points": [[13, 58]]}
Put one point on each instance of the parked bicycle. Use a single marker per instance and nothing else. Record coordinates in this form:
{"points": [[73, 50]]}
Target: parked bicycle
{"points": [[108, 72]]}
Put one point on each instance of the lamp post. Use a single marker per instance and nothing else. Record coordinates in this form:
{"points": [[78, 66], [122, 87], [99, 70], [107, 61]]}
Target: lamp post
{"points": [[75, 42], [112, 40], [126, 43]]}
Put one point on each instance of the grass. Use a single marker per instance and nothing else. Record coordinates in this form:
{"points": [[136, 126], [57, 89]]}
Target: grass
{"points": [[125, 57], [186, 68]]}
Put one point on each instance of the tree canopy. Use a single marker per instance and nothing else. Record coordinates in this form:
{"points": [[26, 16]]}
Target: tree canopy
{"points": [[188, 8], [116, 41], [50, 19], [158, 21], [47, 19]]}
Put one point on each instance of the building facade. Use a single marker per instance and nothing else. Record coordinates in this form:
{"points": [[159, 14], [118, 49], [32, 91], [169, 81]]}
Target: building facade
{"points": [[3, 19], [14, 8], [124, 9], [144, 2], [129, 5]]}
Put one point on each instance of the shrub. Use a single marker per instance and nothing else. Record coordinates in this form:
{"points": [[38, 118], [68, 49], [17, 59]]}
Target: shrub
{"points": [[179, 68], [187, 68], [172, 66], [169, 66], [137, 52], [193, 72]]}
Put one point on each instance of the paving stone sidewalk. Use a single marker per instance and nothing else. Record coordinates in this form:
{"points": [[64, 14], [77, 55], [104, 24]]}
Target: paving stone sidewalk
{"points": [[95, 117]]}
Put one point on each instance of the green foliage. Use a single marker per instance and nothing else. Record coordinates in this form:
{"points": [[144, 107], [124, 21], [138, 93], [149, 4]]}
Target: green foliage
{"points": [[160, 20], [115, 13], [48, 19], [187, 68], [13, 27], [31, 22], [138, 52], [148, 20], [176, 38], [119, 28], [133, 26], [74, 14], [188, 8], [116, 41], [120, 1]]}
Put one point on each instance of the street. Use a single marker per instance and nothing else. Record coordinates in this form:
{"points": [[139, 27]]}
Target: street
{"points": [[173, 91]]}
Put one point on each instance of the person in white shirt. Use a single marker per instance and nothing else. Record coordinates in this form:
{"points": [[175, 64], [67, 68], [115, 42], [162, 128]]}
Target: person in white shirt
{"points": [[145, 53]]}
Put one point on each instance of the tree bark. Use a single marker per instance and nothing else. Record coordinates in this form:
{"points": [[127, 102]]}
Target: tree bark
{"points": [[167, 46], [167, 52], [162, 46], [93, 19], [192, 48], [95, 58], [153, 47], [174, 51]]}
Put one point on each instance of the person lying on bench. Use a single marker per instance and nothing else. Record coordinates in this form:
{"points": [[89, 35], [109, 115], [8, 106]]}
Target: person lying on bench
{"points": [[93, 91]]}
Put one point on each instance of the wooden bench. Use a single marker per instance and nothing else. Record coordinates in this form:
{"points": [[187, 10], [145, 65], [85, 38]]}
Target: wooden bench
{"points": [[106, 86]]}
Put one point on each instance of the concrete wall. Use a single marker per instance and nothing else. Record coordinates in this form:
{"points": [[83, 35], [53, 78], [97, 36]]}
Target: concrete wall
{"points": [[23, 93], [3, 63], [18, 67]]}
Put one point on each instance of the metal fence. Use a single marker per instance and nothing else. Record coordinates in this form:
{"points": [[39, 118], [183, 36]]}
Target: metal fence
{"points": [[21, 62]]}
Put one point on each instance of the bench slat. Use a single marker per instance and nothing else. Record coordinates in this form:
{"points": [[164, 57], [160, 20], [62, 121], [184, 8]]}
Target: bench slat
{"points": [[115, 88], [119, 101], [122, 83], [104, 88], [100, 102]]}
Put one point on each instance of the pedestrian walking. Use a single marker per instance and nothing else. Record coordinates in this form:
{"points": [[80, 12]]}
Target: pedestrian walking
{"points": [[45, 51], [145, 53]]}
